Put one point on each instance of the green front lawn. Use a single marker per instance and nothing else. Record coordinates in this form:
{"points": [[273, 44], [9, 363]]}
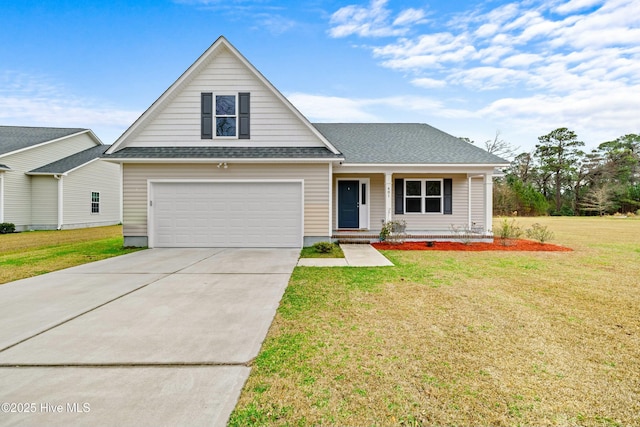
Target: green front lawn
{"points": [[32, 253], [460, 338], [312, 252]]}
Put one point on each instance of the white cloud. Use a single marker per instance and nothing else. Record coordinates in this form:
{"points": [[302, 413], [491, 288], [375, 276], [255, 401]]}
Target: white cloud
{"points": [[522, 60], [545, 63], [410, 16], [331, 108], [320, 108], [488, 78], [35, 101], [428, 83], [576, 5], [373, 20], [275, 24]]}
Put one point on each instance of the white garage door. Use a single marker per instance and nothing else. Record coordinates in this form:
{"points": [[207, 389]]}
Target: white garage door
{"points": [[226, 214]]}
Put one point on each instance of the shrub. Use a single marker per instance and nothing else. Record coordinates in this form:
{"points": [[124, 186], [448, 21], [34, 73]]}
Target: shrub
{"points": [[540, 233], [508, 230], [393, 231], [7, 227], [323, 247]]}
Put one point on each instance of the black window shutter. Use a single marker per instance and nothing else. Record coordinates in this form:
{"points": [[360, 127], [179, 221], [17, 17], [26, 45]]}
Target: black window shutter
{"points": [[399, 196], [243, 115], [207, 115], [448, 196]]}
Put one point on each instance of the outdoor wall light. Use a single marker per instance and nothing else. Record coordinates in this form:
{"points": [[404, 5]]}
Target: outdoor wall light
{"points": [[223, 165]]}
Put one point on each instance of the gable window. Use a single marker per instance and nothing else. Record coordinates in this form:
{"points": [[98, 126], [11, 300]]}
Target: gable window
{"points": [[225, 114], [423, 196], [95, 202]]}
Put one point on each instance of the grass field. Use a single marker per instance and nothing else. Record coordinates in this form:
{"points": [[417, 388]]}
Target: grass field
{"points": [[461, 338], [37, 252]]}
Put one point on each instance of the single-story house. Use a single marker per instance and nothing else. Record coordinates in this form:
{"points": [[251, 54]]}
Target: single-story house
{"points": [[222, 158], [54, 178]]}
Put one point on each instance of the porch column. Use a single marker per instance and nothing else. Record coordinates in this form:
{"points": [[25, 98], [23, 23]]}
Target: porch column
{"points": [[488, 202], [469, 202], [388, 210]]}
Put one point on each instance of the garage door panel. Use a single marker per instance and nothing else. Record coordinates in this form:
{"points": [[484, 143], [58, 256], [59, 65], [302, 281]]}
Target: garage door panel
{"points": [[218, 214]]}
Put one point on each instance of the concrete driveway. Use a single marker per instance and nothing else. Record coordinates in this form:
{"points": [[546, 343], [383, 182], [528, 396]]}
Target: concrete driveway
{"points": [[157, 337]]}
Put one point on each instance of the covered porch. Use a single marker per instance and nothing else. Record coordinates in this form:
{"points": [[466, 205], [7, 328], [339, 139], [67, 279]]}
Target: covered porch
{"points": [[436, 204]]}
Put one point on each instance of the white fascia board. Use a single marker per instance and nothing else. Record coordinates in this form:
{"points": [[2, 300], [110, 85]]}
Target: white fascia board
{"points": [[45, 174], [51, 141], [425, 165], [413, 168]]}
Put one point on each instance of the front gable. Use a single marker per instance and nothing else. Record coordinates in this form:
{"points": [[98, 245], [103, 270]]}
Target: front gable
{"points": [[176, 119]]}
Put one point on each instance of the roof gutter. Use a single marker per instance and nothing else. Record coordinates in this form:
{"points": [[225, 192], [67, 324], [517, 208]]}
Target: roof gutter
{"points": [[220, 160]]}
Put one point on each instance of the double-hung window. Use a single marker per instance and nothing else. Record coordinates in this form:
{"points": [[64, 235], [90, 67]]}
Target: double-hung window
{"points": [[423, 196], [95, 202], [225, 115]]}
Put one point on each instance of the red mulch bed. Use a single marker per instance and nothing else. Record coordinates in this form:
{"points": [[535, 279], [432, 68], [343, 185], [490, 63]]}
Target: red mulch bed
{"points": [[513, 245]]}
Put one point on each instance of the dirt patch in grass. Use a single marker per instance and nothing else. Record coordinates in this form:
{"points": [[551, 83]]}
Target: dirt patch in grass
{"points": [[497, 245]]}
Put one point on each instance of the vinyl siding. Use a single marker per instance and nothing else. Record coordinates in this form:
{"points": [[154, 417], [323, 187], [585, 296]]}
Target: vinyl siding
{"points": [[435, 221], [272, 122], [477, 201], [315, 176], [99, 176], [18, 185], [44, 202]]}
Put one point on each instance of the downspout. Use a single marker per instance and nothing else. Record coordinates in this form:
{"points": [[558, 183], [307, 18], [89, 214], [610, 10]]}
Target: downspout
{"points": [[1, 197], [60, 201], [121, 189], [488, 203], [330, 200]]}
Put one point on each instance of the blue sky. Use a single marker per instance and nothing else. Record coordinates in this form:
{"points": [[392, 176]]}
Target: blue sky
{"points": [[470, 68]]}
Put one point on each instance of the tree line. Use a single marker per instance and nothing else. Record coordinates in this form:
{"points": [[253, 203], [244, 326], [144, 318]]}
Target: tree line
{"points": [[559, 178]]}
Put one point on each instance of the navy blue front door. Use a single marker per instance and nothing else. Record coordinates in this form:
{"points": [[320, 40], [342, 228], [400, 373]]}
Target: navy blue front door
{"points": [[348, 212]]}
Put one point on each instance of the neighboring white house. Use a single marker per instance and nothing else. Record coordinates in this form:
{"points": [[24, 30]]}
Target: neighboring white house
{"points": [[54, 178], [222, 158]]}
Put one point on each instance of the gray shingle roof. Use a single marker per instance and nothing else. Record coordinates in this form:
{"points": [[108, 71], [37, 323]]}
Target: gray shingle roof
{"points": [[223, 153], [402, 143], [71, 162], [13, 138], [4, 167]]}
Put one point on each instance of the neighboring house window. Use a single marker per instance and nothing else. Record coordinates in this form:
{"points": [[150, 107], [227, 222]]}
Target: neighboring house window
{"points": [[95, 202], [227, 115], [423, 196]]}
